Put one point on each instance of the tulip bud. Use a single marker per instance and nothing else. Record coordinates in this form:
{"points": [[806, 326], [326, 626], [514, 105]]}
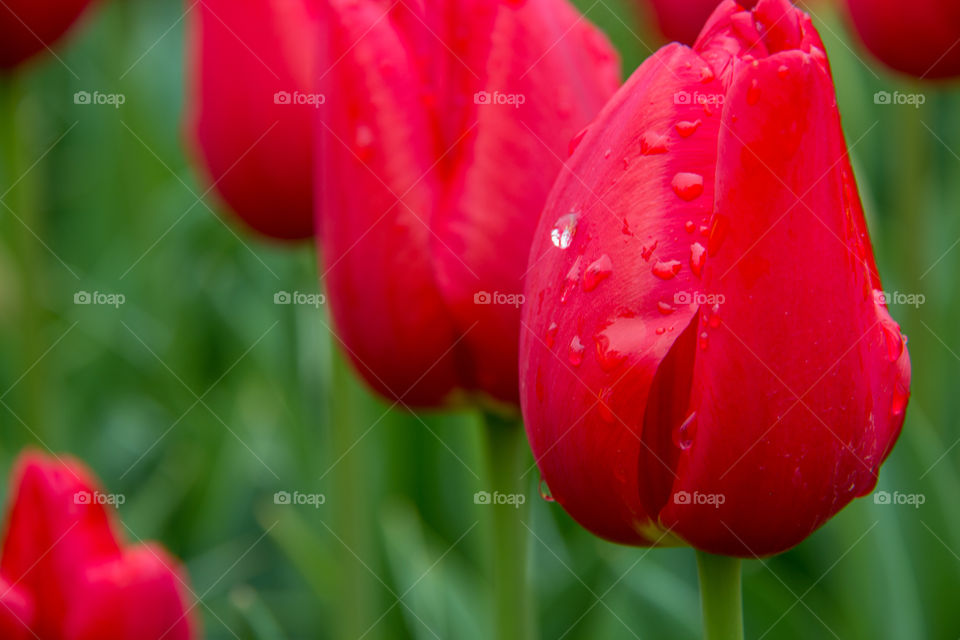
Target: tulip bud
{"points": [[28, 27], [447, 124], [732, 380], [71, 576], [252, 105], [921, 38]]}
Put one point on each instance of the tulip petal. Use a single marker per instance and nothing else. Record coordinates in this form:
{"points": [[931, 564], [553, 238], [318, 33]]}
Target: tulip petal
{"points": [[250, 121], [639, 190], [27, 27], [54, 529], [795, 399], [16, 612], [140, 595]]}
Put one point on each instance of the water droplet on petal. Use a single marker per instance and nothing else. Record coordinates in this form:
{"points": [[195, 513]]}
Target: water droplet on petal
{"points": [[570, 284], [706, 75], [576, 351], [661, 331], [666, 269], [893, 340], [577, 139], [606, 154], [689, 227], [551, 336], [564, 229], [646, 252], [698, 255], [686, 128], [665, 308], [544, 491], [704, 341], [598, 271], [718, 233], [688, 186], [783, 71], [684, 434], [753, 92], [608, 356], [652, 143], [899, 400]]}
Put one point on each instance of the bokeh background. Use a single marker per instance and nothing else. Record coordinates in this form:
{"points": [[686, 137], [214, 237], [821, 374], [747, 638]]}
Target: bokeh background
{"points": [[199, 398]]}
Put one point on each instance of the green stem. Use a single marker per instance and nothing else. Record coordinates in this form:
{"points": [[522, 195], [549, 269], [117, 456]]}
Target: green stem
{"points": [[720, 597], [507, 452], [353, 520]]}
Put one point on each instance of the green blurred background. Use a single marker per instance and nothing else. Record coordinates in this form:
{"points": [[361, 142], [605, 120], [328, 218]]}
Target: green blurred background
{"points": [[199, 398]]}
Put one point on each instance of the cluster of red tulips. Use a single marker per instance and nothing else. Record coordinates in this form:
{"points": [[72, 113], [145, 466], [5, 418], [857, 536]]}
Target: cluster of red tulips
{"points": [[671, 277]]}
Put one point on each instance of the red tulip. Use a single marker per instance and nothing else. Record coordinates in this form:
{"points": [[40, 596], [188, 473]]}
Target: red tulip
{"points": [[704, 357], [682, 21], [28, 27], [449, 124], [252, 106], [921, 38], [64, 574]]}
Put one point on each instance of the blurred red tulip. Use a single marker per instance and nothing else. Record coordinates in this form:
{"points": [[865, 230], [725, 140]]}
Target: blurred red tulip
{"points": [[28, 27], [706, 358], [252, 107], [681, 21], [64, 574], [446, 127], [921, 38]]}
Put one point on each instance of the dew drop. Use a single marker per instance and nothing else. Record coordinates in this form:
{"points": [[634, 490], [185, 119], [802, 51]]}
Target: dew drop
{"points": [[564, 229], [598, 271], [661, 331], [718, 233], [704, 341], [753, 92], [665, 308], [688, 186], [551, 336], [570, 284], [698, 255], [607, 355], [893, 340], [652, 143], [666, 269], [783, 71], [899, 400], [576, 140], [646, 252], [706, 75], [606, 154], [545, 491], [684, 434], [686, 128], [689, 227], [576, 351]]}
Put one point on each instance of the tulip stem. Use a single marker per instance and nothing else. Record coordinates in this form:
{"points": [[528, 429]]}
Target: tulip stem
{"points": [[506, 452], [720, 596]]}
